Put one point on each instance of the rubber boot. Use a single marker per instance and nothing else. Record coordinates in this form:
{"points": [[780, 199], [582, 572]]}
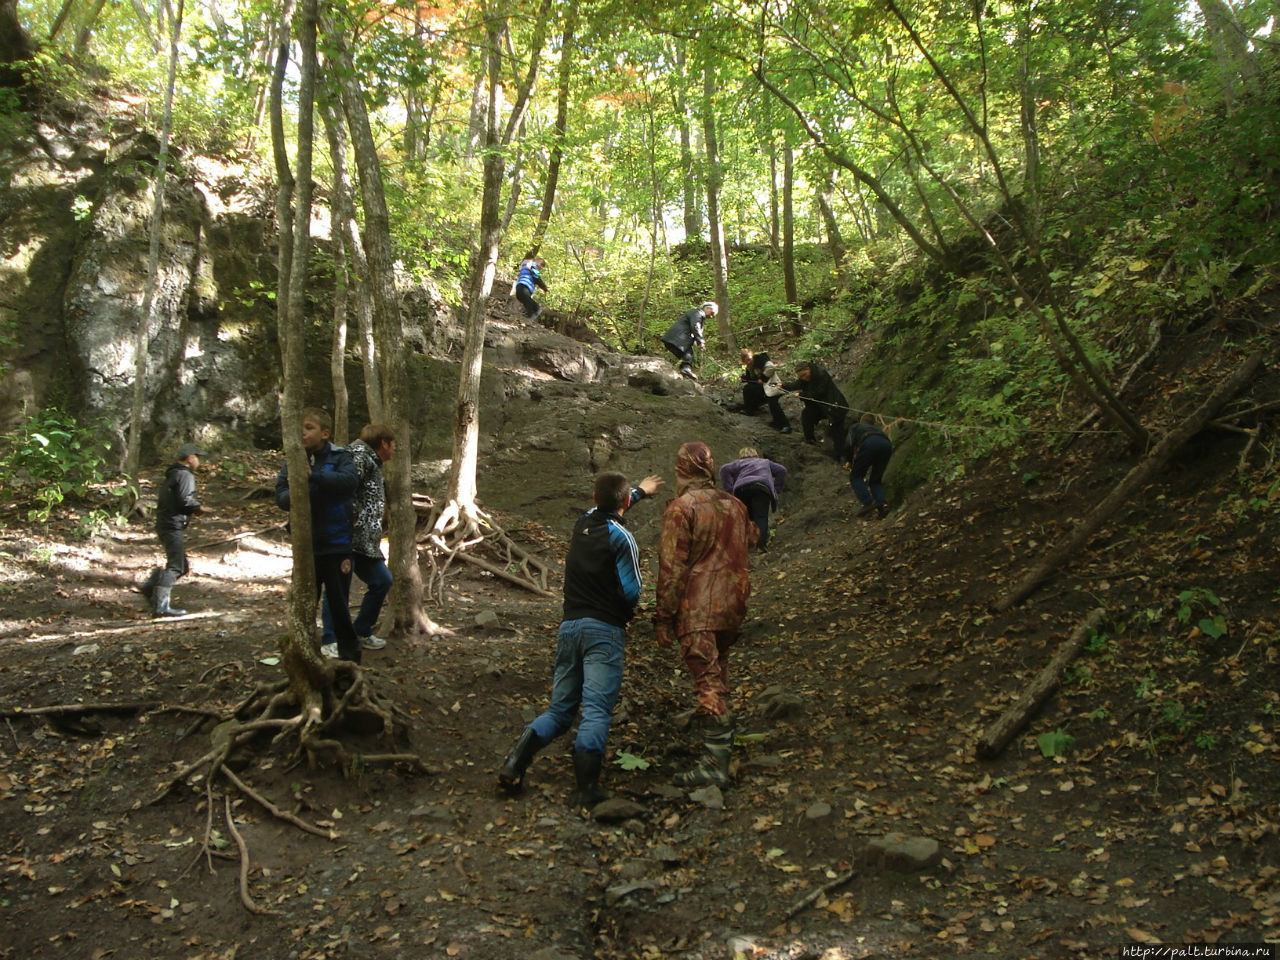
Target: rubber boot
{"points": [[511, 774], [713, 766], [162, 607], [586, 770], [148, 587]]}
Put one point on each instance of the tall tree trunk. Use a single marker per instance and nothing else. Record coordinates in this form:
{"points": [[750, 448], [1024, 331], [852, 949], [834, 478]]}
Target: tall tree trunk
{"points": [[338, 348], [344, 224], [298, 648], [61, 18], [460, 516], [142, 335], [462, 510], [16, 47], [85, 31], [561, 127], [691, 206], [789, 237], [826, 210], [405, 601], [719, 254], [775, 205]]}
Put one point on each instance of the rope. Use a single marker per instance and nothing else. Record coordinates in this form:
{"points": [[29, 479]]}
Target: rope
{"points": [[938, 424]]}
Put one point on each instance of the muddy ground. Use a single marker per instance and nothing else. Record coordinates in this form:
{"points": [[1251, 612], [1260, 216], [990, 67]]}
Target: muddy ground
{"points": [[1139, 805]]}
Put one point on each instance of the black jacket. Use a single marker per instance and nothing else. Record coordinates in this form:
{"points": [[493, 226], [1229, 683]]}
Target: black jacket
{"points": [[177, 498], [686, 331], [819, 387]]}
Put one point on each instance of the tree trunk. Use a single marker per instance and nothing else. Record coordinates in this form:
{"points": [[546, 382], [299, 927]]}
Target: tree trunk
{"points": [[344, 225], [405, 601], [826, 209], [85, 31], [789, 237], [338, 350], [1133, 481], [298, 648], [561, 128], [461, 509], [719, 254], [997, 736], [15, 45], [142, 335], [691, 206]]}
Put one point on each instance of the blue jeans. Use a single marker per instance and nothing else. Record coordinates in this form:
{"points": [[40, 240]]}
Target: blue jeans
{"points": [[377, 580], [587, 674]]}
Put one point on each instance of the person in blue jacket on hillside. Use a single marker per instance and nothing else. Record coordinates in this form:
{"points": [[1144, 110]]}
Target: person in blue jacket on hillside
{"points": [[530, 276], [756, 481], [601, 589], [331, 484]]}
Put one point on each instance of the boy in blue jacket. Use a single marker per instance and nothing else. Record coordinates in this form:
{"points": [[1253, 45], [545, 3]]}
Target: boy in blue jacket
{"points": [[530, 276], [331, 483]]}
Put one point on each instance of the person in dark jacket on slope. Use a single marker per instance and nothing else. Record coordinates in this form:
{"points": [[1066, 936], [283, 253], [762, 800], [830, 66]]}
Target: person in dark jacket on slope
{"points": [[176, 504], [687, 332], [601, 589], [869, 448], [756, 481], [331, 485], [822, 400]]}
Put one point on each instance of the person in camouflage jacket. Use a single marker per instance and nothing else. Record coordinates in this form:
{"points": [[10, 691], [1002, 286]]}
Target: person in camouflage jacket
{"points": [[703, 585], [377, 444]]}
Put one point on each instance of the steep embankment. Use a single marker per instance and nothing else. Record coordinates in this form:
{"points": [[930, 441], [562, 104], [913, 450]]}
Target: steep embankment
{"points": [[863, 678]]}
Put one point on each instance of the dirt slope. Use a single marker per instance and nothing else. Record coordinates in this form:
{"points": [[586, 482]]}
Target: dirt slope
{"points": [[868, 670]]}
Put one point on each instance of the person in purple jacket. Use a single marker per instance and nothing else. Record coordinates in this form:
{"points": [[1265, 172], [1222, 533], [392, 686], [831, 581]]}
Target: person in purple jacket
{"points": [[756, 481]]}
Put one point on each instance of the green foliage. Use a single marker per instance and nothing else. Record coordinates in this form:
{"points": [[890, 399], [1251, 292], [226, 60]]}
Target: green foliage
{"points": [[51, 458], [1199, 600], [629, 761], [1055, 743]]}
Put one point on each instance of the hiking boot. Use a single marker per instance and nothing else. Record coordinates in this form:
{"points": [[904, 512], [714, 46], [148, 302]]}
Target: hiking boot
{"points": [[586, 770], [883, 509], [865, 511], [784, 429], [536, 314], [712, 768], [372, 643], [329, 650], [511, 774], [161, 606]]}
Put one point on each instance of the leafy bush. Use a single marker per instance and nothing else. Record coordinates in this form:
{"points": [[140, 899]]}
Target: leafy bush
{"points": [[50, 458]]}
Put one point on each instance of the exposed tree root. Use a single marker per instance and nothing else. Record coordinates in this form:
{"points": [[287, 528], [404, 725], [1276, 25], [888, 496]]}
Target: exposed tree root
{"points": [[457, 532]]}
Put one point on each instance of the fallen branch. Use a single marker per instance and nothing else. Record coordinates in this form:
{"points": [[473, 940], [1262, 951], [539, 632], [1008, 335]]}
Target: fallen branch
{"points": [[1138, 477], [998, 735], [813, 895], [75, 709], [198, 547]]}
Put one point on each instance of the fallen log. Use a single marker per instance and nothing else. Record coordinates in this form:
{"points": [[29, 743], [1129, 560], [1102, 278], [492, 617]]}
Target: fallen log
{"points": [[998, 735], [1133, 480]]}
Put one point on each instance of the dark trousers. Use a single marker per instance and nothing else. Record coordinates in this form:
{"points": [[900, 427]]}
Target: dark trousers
{"points": [[753, 396], [759, 502], [684, 355], [175, 555], [812, 415], [333, 576], [525, 296], [871, 457]]}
